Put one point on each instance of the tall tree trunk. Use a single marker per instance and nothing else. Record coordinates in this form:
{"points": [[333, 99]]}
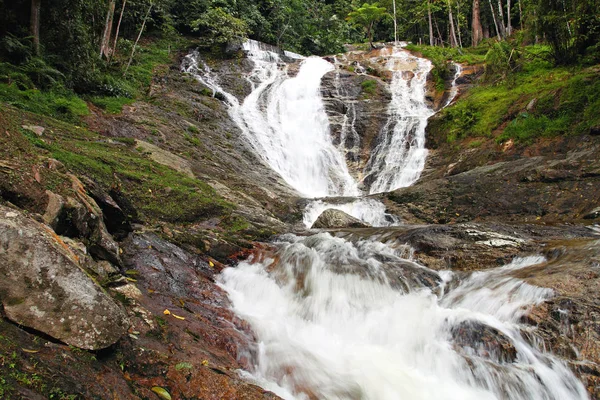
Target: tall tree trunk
{"points": [[35, 25], [495, 20], [520, 15], [458, 24], [110, 13], [138, 39], [114, 46], [453, 41], [501, 18], [476, 24], [395, 24], [508, 23], [431, 39]]}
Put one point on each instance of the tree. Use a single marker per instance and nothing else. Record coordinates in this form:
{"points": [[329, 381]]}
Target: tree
{"points": [[477, 34], [105, 43], [366, 16], [453, 41], [35, 25], [219, 27]]}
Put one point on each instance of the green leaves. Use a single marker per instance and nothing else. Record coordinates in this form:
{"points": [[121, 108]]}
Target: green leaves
{"points": [[219, 27]]}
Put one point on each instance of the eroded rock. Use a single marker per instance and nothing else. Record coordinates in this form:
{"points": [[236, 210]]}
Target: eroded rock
{"points": [[44, 288], [332, 218]]}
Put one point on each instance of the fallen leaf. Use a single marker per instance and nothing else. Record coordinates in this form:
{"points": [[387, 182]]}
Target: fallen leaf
{"points": [[211, 264], [30, 351], [162, 393], [167, 312], [178, 317], [205, 363]]}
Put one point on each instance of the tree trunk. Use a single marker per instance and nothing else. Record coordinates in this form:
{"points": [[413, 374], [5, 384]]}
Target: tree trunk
{"points": [[114, 46], [501, 18], [508, 23], [370, 34], [458, 24], [35, 25], [476, 24], [495, 21], [453, 41], [520, 15], [138, 39], [395, 24], [110, 13], [431, 39]]}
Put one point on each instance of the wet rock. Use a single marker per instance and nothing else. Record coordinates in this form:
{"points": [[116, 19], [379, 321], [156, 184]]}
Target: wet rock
{"points": [[474, 338], [44, 288], [332, 218], [595, 213]]}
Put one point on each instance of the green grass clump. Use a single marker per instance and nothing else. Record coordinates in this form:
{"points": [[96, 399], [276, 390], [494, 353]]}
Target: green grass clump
{"points": [[369, 86], [112, 105], [62, 105]]}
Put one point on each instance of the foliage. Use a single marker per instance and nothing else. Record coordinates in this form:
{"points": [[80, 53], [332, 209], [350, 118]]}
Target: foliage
{"points": [[218, 27], [65, 105], [366, 16]]}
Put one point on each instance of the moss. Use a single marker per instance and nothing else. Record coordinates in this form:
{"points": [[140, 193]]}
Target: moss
{"points": [[112, 105], [538, 101], [369, 87]]}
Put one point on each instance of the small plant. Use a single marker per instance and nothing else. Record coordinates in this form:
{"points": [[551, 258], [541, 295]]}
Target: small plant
{"points": [[369, 86]]}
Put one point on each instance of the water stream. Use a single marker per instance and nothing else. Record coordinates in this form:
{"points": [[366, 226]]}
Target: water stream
{"points": [[337, 318]]}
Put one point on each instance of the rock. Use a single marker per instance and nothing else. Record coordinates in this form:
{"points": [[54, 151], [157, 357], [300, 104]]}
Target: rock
{"points": [[116, 221], [595, 130], [166, 158], [54, 209], [595, 213], [38, 130], [332, 218], [531, 105], [473, 338], [44, 288]]}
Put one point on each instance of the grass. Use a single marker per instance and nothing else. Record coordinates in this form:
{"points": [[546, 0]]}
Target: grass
{"points": [[368, 86], [156, 191], [112, 105], [61, 104]]}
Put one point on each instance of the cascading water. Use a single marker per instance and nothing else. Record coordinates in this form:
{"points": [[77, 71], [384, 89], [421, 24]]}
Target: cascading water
{"points": [[399, 157], [285, 122], [337, 320]]}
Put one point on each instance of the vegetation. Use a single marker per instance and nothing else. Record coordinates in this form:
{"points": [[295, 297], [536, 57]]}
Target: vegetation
{"points": [[524, 98]]}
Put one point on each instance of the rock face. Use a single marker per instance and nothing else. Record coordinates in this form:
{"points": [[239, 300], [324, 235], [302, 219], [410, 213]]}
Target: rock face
{"points": [[43, 287], [332, 218]]}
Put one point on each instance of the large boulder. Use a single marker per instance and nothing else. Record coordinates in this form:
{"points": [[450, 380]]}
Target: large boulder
{"points": [[44, 288], [332, 218]]}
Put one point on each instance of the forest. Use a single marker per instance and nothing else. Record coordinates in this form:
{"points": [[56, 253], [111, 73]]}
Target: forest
{"points": [[88, 46]]}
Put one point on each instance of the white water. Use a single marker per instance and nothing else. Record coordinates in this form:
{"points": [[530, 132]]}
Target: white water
{"points": [[285, 122], [337, 320], [399, 157]]}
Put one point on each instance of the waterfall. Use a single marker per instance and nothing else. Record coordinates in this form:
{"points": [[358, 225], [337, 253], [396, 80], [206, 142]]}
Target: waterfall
{"points": [[399, 157], [342, 320], [284, 121]]}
